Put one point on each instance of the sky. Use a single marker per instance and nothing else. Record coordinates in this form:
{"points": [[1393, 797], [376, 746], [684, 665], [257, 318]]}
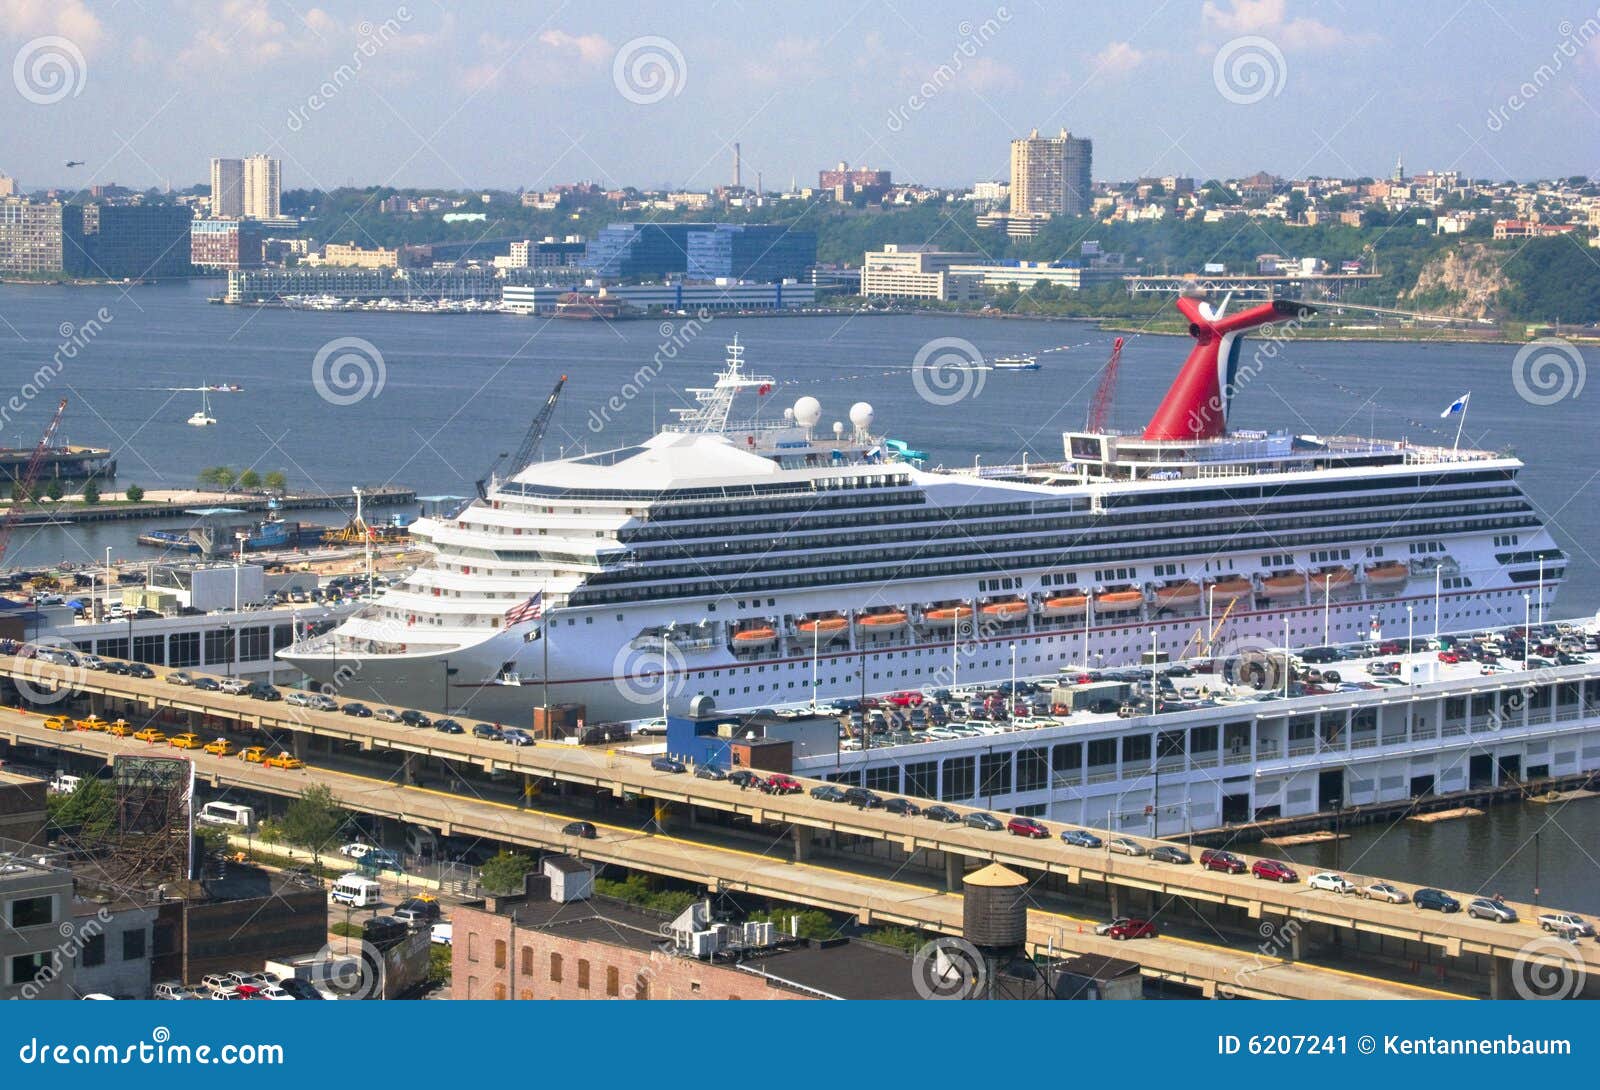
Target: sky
{"points": [[526, 95]]}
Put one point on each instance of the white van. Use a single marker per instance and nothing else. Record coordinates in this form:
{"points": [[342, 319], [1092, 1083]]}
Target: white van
{"points": [[357, 892], [227, 814], [64, 784]]}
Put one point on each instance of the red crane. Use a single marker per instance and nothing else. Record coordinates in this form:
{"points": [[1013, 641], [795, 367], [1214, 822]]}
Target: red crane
{"points": [[26, 479], [1100, 407]]}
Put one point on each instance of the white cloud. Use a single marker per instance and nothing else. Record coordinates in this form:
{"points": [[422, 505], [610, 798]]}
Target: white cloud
{"points": [[789, 59], [1270, 19], [589, 48], [1119, 58], [70, 19]]}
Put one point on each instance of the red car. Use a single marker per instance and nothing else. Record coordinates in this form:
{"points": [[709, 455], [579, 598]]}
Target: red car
{"points": [[780, 784], [1028, 827], [1449, 656], [1217, 859], [1390, 647], [1273, 871], [1132, 929], [908, 698]]}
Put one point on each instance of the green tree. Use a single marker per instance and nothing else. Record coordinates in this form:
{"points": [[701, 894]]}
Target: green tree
{"points": [[55, 490], [313, 820], [134, 493], [276, 481], [439, 965], [250, 479], [92, 809], [504, 873], [91, 492]]}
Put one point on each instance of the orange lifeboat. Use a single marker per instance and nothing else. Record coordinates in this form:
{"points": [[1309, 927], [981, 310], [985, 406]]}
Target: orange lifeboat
{"points": [[1066, 605], [1389, 574], [1284, 586], [1177, 595], [945, 616], [886, 621], [1334, 579], [756, 636], [1012, 609], [1226, 590], [1116, 601], [826, 628]]}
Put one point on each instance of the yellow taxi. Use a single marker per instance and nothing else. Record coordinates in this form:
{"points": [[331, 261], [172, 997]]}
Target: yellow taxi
{"points": [[283, 760], [149, 735], [186, 741], [221, 747], [93, 722], [253, 754], [120, 729], [58, 722]]}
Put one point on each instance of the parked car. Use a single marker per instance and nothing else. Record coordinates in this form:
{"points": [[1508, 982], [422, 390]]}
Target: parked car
{"points": [[448, 726], [1227, 862], [140, 670], [1566, 924], [828, 792], [487, 731], [207, 684], [904, 807], [863, 798], [987, 822], [237, 686], [668, 764], [583, 829], [413, 718], [1333, 883], [516, 736], [1123, 846], [1169, 853], [1028, 827], [710, 772], [1133, 928], [1270, 870], [1080, 838], [941, 813], [1436, 899], [180, 677], [423, 911], [260, 690], [743, 778], [779, 784], [1384, 891], [387, 715], [1487, 908], [357, 709]]}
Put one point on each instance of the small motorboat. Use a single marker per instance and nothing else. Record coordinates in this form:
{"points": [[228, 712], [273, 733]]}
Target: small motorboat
{"points": [[755, 636], [1016, 363]]}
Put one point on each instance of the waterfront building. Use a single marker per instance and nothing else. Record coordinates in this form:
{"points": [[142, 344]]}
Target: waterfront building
{"points": [[741, 251], [227, 188], [30, 237], [1050, 176], [899, 271], [226, 244], [261, 188], [734, 295]]}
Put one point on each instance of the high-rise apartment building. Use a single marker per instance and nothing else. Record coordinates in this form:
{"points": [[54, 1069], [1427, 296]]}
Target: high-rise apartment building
{"points": [[227, 188], [1050, 175], [262, 188], [248, 187]]}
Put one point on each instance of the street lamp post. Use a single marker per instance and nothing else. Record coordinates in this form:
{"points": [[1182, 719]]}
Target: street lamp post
{"points": [[1527, 628], [1437, 577], [238, 556], [1327, 597]]}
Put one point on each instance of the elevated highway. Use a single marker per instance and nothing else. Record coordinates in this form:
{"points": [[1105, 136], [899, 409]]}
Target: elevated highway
{"points": [[801, 817]]}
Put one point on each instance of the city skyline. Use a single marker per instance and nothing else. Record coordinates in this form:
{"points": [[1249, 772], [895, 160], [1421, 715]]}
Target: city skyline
{"points": [[413, 96]]}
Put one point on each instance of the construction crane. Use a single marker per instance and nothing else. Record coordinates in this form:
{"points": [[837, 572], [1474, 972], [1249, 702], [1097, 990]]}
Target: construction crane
{"points": [[524, 454], [1100, 407], [27, 478]]}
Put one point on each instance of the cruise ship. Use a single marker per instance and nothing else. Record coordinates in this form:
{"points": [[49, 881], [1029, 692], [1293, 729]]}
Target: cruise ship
{"points": [[759, 562]]}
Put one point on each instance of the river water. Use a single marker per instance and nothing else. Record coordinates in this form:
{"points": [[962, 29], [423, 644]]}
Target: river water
{"points": [[453, 391]]}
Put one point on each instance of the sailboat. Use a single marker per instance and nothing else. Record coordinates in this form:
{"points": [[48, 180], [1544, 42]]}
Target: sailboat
{"points": [[203, 417]]}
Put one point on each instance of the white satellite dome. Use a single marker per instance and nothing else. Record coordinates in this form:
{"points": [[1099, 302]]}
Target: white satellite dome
{"points": [[807, 411], [861, 416], [838, 428], [788, 416]]}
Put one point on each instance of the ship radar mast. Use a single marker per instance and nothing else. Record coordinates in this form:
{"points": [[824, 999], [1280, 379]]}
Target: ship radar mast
{"points": [[714, 404]]}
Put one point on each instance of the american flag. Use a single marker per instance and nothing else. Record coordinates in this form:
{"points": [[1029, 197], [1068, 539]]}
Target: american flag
{"points": [[531, 610]]}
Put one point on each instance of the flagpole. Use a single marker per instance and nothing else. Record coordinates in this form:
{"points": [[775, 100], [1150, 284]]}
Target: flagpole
{"points": [[544, 638], [1459, 425]]}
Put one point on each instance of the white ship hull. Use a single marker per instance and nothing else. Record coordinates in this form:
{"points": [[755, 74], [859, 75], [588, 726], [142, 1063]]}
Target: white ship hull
{"points": [[593, 664]]}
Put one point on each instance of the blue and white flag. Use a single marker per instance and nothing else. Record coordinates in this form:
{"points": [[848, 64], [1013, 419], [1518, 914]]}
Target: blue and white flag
{"points": [[1459, 405]]}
